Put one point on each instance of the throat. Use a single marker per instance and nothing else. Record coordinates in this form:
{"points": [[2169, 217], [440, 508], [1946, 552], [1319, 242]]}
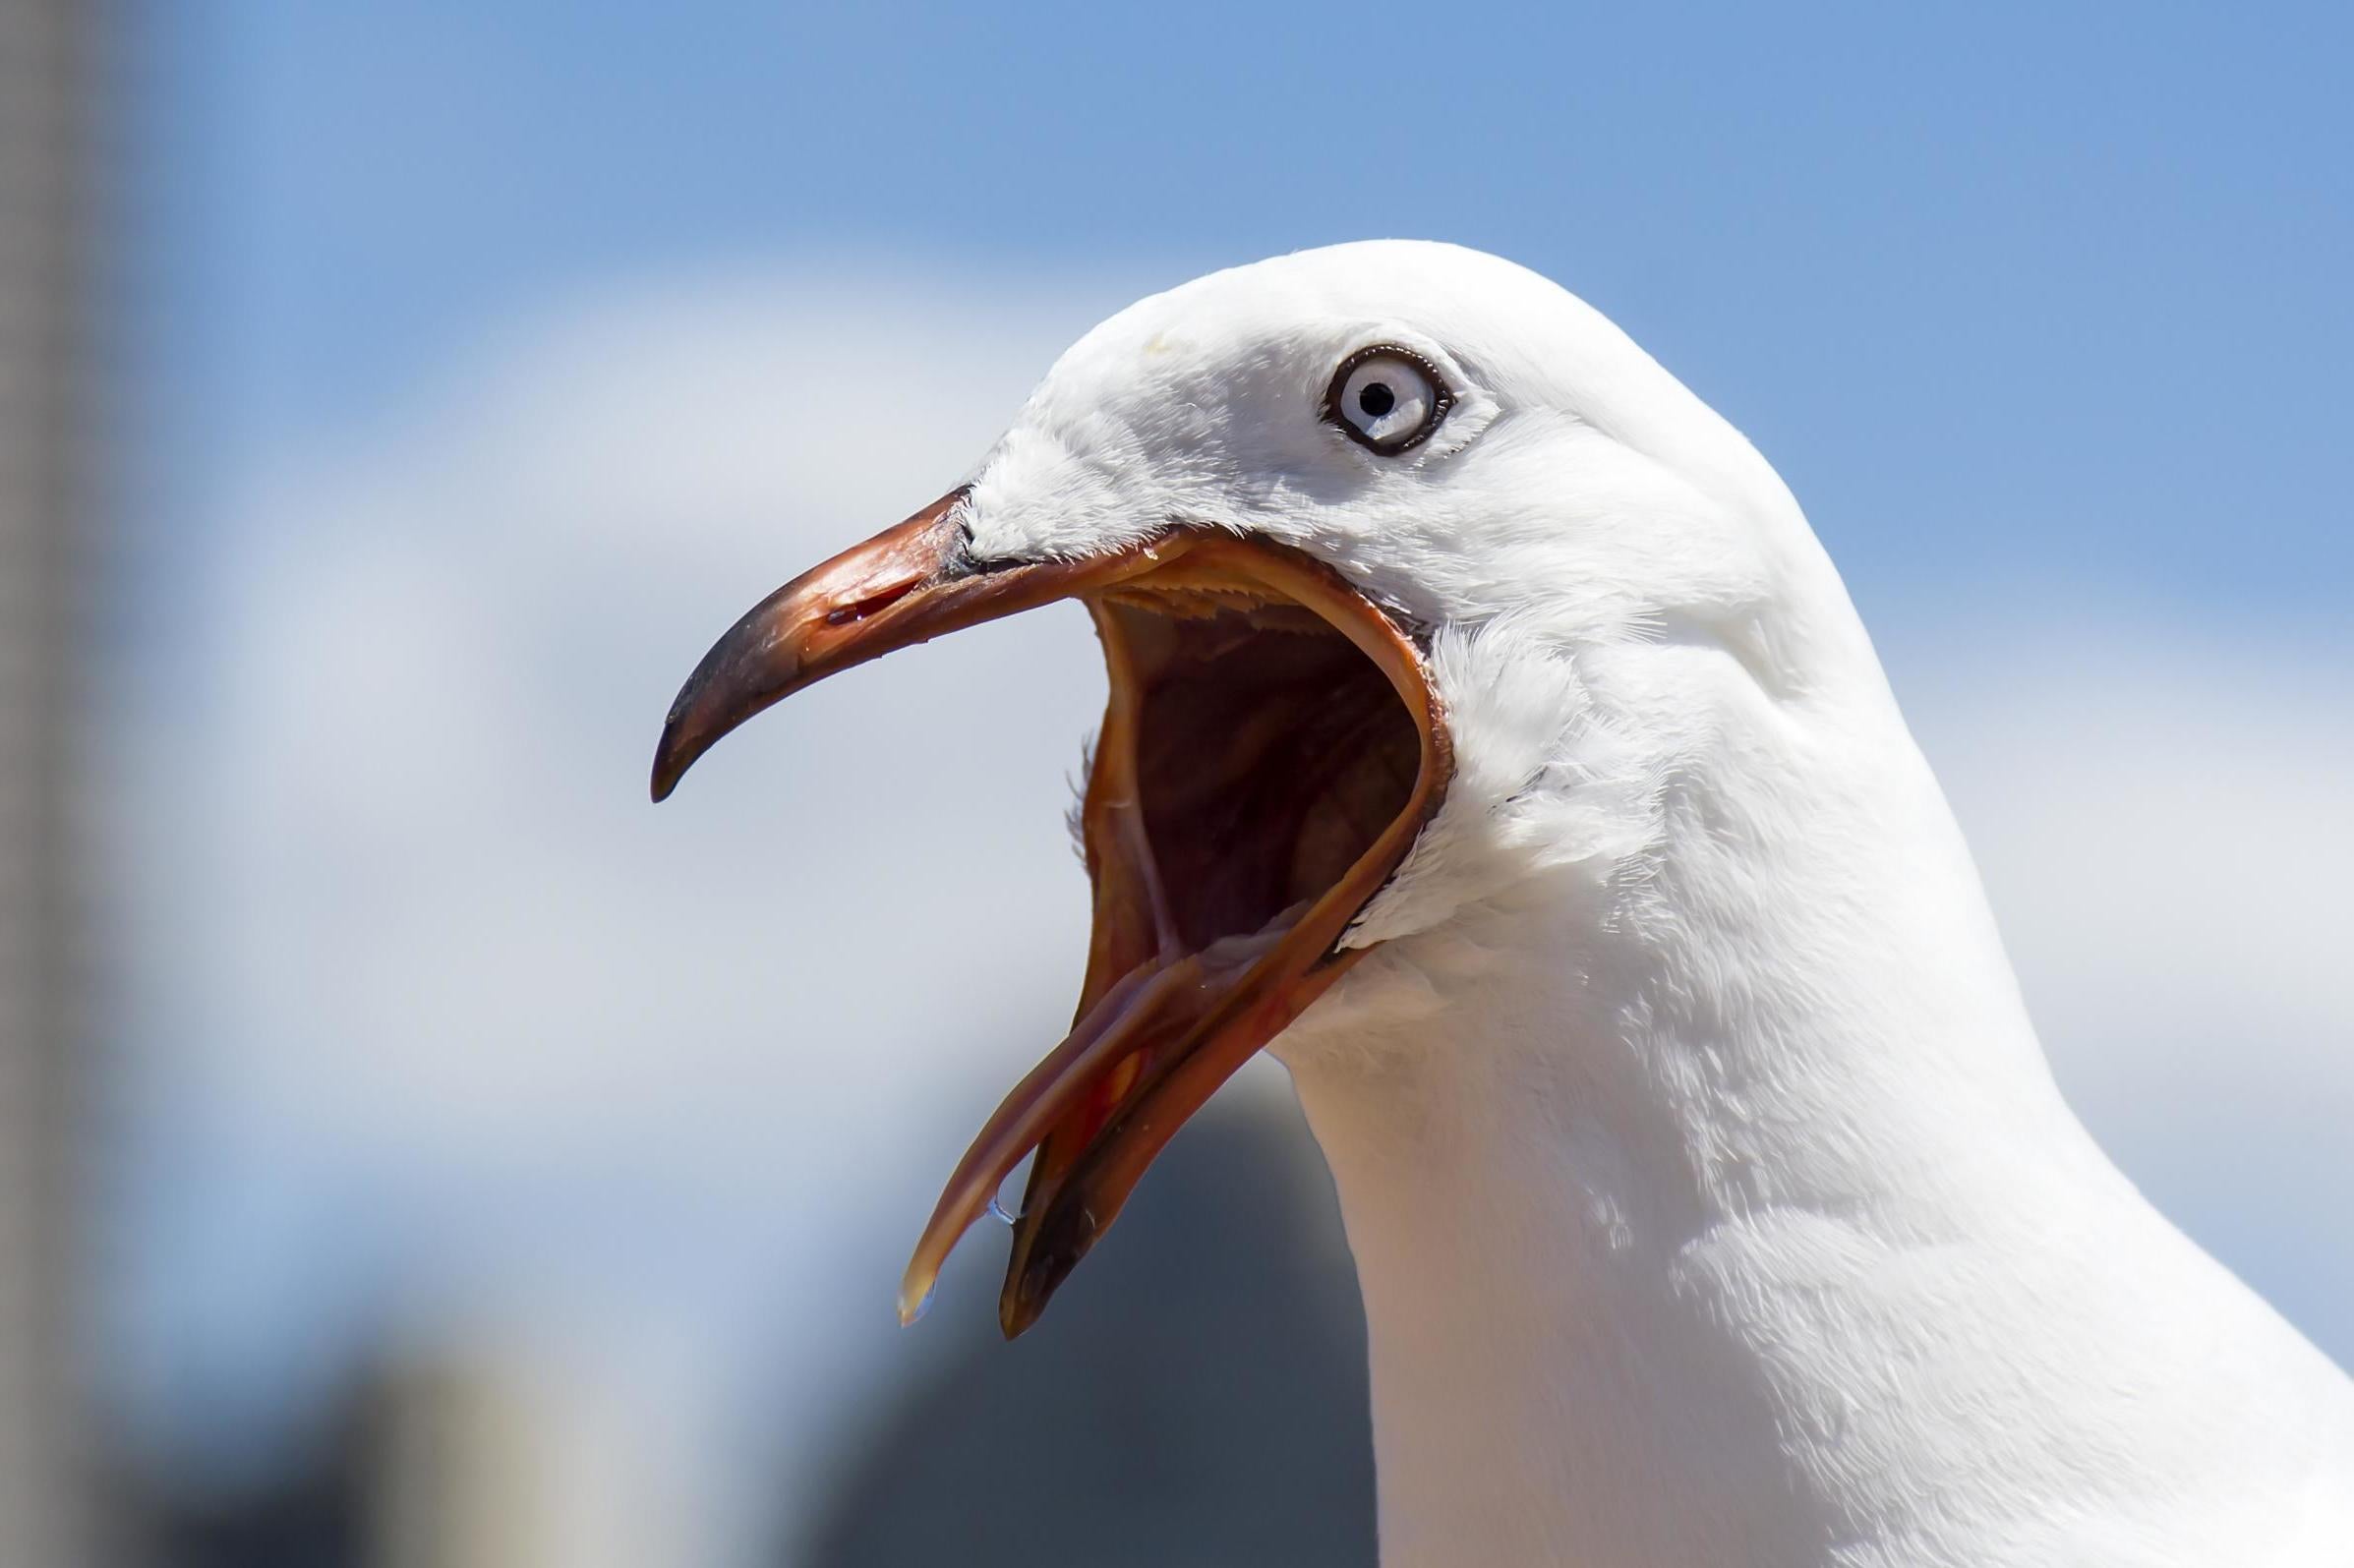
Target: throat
{"points": [[1548, 1385], [1625, 1203]]}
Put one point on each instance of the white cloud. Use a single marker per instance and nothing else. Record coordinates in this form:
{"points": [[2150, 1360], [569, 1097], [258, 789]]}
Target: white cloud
{"points": [[437, 902], [435, 1008], [423, 967], [2165, 825]]}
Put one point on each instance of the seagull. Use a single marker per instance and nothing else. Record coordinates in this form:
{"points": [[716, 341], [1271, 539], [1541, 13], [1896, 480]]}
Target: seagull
{"points": [[1490, 738]]}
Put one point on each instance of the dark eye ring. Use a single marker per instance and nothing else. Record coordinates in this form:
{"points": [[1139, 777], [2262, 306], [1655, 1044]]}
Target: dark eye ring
{"points": [[1386, 399]]}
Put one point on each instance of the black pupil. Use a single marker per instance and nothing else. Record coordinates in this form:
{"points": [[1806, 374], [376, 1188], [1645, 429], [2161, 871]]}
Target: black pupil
{"points": [[1377, 400]]}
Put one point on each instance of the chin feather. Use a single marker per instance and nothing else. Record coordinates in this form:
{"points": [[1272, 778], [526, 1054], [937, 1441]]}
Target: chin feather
{"points": [[1543, 782]]}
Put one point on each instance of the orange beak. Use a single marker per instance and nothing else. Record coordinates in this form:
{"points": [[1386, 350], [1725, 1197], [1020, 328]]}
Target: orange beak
{"points": [[1270, 749]]}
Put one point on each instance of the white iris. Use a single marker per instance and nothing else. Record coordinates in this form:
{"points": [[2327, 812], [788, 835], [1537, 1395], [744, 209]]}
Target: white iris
{"points": [[1387, 399]]}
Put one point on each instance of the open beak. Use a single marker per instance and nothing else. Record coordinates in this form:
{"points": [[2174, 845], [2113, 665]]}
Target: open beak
{"points": [[1270, 748]]}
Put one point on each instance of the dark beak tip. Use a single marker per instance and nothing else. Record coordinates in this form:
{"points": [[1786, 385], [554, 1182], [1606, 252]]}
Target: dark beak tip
{"points": [[1016, 1318], [672, 756], [1036, 1272]]}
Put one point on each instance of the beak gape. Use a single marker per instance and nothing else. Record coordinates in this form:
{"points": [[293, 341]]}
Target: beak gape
{"points": [[1270, 748]]}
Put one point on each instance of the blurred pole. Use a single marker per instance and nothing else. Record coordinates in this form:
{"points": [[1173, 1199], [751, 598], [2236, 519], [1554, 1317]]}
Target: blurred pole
{"points": [[46, 92]]}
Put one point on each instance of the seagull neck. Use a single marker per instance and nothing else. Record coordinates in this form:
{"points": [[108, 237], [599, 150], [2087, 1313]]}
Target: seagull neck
{"points": [[1580, 1195]]}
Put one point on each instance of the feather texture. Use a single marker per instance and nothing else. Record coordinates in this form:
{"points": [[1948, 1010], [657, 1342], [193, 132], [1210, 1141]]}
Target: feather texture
{"points": [[1711, 1198]]}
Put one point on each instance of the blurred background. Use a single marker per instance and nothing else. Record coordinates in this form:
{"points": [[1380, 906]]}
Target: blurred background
{"points": [[417, 1151]]}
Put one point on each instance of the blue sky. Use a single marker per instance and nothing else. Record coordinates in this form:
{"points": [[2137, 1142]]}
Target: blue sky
{"points": [[485, 361], [2004, 290]]}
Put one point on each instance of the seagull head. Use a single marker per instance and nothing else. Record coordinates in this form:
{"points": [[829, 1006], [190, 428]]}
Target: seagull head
{"points": [[1412, 574]]}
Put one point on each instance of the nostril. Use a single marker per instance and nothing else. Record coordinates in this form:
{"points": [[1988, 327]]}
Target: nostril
{"points": [[872, 604]]}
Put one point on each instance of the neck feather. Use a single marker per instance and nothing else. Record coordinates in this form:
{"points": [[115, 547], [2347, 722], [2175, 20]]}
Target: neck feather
{"points": [[1626, 1198]]}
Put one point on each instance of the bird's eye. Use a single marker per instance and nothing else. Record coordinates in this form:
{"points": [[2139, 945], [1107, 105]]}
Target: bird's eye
{"points": [[1387, 398]]}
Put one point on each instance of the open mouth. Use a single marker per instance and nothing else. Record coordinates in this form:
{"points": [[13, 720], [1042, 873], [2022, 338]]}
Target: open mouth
{"points": [[1269, 750]]}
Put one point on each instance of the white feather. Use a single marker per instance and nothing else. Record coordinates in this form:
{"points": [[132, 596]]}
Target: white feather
{"points": [[1710, 1196]]}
